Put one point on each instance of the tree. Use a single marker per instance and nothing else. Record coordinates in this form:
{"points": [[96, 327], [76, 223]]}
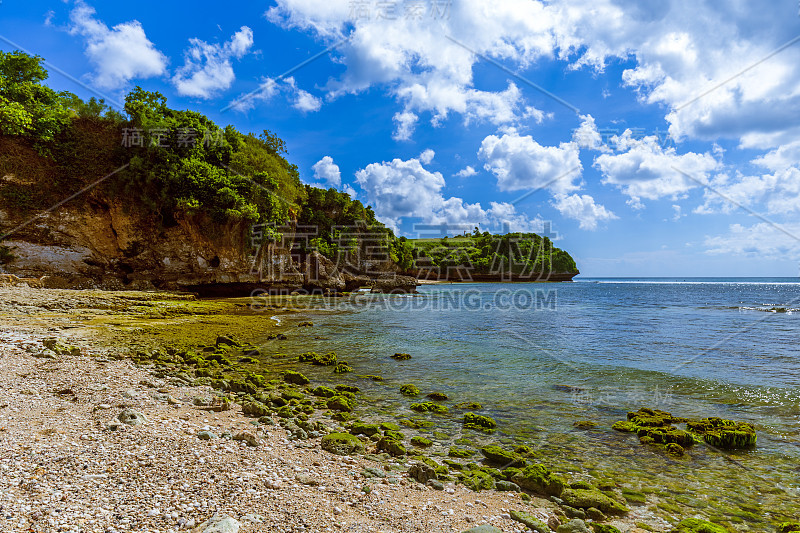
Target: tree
{"points": [[28, 108]]}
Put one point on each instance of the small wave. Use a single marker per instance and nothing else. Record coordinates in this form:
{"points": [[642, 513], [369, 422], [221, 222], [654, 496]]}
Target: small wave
{"points": [[276, 319], [770, 309]]}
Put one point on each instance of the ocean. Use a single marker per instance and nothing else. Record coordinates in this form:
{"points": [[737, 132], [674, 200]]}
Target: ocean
{"points": [[539, 357]]}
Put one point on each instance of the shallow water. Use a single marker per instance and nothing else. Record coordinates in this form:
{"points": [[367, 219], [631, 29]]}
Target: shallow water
{"points": [[541, 356]]}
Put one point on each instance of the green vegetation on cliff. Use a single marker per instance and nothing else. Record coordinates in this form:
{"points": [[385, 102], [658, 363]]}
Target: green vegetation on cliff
{"points": [[520, 254]]}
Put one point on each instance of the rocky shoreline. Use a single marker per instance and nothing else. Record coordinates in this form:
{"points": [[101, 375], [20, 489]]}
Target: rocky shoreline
{"points": [[94, 442]]}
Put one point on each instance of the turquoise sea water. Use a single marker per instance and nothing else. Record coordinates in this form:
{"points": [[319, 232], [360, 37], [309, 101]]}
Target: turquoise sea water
{"points": [[541, 356]]}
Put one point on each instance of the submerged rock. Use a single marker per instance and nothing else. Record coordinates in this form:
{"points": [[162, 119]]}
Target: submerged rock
{"points": [[409, 390], [479, 422], [725, 434], [290, 376], [499, 456], [401, 357]]}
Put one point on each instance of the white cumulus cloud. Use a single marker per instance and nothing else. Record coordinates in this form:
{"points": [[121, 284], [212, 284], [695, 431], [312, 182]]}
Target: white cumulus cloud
{"points": [[207, 68], [327, 172], [119, 54], [401, 189], [583, 209], [466, 172], [519, 162], [643, 168]]}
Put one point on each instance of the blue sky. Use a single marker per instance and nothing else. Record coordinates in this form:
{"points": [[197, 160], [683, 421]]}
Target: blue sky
{"points": [[657, 138]]}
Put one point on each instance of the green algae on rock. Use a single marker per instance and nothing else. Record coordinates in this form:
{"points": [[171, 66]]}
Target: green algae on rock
{"points": [[584, 499], [340, 403], [460, 453], [324, 392], [477, 480], [421, 442], [529, 520], [425, 407], [328, 359], [479, 422], [789, 527], [468, 406], [499, 456], [391, 445], [360, 428], [537, 478], [401, 357], [341, 444], [437, 396], [409, 390], [604, 528], [290, 376], [725, 434], [342, 368], [695, 525]]}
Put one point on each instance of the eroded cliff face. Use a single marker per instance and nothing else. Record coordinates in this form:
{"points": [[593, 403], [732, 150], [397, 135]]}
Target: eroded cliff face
{"points": [[98, 243]]}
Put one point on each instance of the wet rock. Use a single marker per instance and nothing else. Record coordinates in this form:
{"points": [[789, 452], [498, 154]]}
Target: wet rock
{"points": [[435, 484], [131, 417], [479, 422], [224, 340], [607, 528], [437, 396], [421, 442], [477, 481], [401, 357], [392, 446], [409, 390]]}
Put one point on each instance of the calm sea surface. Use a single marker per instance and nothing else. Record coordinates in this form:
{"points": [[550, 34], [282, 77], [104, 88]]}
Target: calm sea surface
{"points": [[539, 357]]}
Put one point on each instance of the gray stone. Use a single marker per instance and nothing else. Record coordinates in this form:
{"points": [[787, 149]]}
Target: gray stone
{"points": [[484, 528], [507, 486], [249, 438], [422, 472], [131, 417], [573, 526], [219, 524], [206, 435], [305, 479], [435, 484]]}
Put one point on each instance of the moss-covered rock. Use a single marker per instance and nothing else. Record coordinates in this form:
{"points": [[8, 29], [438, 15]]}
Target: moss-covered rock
{"points": [[460, 453], [391, 446], [255, 409], [437, 396], [360, 428], [725, 434], [479, 422], [290, 376], [675, 450], [695, 525], [323, 392], [604, 528], [409, 390], [538, 478], [789, 527], [389, 426], [421, 442], [401, 357], [667, 435], [625, 426], [340, 403], [478, 481], [529, 520], [341, 444], [468, 405], [583, 499], [342, 368], [350, 389], [428, 407], [328, 359], [292, 394], [634, 496], [396, 435], [499, 456]]}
